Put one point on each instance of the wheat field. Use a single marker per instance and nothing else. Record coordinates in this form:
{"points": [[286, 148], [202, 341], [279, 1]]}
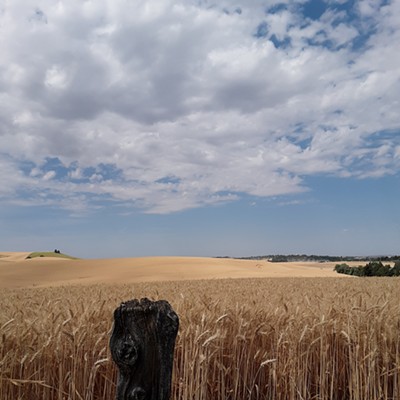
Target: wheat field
{"points": [[279, 338]]}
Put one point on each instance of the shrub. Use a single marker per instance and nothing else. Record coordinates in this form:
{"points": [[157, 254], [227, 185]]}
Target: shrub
{"points": [[373, 268]]}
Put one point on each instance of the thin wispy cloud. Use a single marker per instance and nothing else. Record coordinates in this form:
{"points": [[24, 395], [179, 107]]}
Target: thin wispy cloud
{"points": [[170, 105]]}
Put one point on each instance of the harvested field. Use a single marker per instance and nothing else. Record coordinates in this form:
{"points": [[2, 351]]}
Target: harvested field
{"points": [[16, 271], [281, 338]]}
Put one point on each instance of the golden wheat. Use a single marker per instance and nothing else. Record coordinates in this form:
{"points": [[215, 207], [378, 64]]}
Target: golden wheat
{"points": [[300, 338]]}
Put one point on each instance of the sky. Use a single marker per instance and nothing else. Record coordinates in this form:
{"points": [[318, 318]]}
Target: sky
{"points": [[200, 128]]}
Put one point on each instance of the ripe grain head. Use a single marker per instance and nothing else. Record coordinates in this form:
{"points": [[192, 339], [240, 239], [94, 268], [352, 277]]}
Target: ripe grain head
{"points": [[238, 339]]}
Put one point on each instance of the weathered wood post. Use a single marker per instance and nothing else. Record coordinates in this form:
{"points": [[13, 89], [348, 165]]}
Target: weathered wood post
{"points": [[142, 345]]}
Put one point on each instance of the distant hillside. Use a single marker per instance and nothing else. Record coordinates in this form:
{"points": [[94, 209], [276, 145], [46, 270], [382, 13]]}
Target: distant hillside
{"points": [[317, 258], [52, 254]]}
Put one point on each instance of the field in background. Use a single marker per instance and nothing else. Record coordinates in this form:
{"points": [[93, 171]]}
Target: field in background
{"points": [[291, 338], [16, 271]]}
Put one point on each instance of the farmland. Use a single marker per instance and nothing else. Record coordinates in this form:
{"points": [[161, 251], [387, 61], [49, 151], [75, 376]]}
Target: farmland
{"points": [[258, 338]]}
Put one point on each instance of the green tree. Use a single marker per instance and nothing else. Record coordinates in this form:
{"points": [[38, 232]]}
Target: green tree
{"points": [[396, 269]]}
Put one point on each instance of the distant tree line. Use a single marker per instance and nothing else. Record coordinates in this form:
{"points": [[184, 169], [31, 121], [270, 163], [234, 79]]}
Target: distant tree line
{"points": [[317, 258], [296, 257], [373, 268], [306, 257]]}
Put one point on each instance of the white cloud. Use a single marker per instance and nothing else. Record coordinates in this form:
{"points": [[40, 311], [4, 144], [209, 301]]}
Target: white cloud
{"points": [[187, 105], [56, 78], [49, 175], [23, 118], [369, 7]]}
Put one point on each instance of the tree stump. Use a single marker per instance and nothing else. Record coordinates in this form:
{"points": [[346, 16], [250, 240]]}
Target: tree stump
{"points": [[142, 346]]}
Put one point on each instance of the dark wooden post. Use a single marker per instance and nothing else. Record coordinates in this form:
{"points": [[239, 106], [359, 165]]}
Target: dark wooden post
{"points": [[142, 345]]}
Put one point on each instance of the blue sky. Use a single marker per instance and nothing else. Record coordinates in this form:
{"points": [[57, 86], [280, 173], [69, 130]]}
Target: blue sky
{"points": [[200, 128]]}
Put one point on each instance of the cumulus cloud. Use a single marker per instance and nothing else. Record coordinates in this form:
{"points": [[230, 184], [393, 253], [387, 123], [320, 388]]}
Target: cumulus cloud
{"points": [[167, 106]]}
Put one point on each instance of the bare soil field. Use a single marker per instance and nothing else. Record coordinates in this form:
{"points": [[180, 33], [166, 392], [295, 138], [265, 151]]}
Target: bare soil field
{"points": [[17, 271]]}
